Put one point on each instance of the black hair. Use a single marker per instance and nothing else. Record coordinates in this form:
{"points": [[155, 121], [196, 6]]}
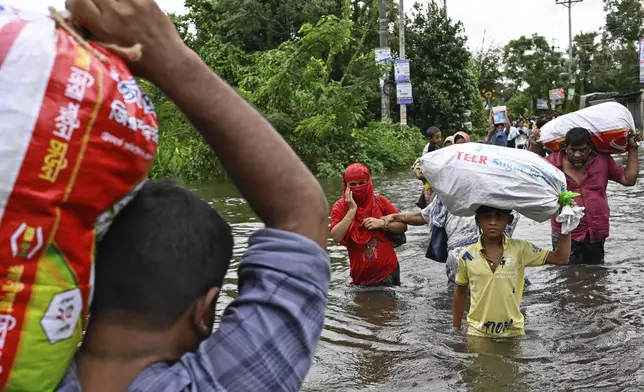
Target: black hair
{"points": [[487, 209], [578, 137], [163, 251], [431, 131]]}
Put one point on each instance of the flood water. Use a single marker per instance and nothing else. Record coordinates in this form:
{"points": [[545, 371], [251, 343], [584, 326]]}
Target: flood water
{"points": [[584, 324]]}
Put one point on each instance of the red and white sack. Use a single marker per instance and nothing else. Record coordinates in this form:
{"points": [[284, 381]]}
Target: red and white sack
{"points": [[77, 136], [609, 123]]}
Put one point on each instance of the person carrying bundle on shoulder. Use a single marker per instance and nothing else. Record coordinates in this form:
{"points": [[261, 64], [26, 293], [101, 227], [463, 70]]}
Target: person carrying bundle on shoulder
{"points": [[587, 173], [493, 270]]}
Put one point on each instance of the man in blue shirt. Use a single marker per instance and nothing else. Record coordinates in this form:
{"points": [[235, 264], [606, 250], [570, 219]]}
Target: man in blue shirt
{"points": [[161, 266], [499, 132]]}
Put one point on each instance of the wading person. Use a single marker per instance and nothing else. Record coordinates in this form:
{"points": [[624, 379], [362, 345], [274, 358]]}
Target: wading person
{"points": [[461, 231], [161, 266], [587, 173], [492, 270], [357, 222]]}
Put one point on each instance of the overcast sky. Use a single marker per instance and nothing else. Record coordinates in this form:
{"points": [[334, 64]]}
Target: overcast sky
{"points": [[496, 21]]}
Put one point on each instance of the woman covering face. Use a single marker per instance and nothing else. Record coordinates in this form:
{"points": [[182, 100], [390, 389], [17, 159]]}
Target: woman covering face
{"points": [[356, 222]]}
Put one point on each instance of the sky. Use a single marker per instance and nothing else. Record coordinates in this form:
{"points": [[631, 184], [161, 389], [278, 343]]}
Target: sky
{"points": [[486, 22]]}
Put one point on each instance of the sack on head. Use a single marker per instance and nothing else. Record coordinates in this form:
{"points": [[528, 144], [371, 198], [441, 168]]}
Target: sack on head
{"points": [[467, 176]]}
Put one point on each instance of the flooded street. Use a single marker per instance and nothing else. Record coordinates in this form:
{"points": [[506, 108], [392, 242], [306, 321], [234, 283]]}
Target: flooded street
{"points": [[583, 324]]}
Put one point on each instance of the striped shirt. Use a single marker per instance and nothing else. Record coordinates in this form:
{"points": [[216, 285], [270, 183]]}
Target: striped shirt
{"points": [[266, 337]]}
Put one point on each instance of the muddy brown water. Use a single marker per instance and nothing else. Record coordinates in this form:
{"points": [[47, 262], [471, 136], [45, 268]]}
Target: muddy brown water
{"points": [[584, 324]]}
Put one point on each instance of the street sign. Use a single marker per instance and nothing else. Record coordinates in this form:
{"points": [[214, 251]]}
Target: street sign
{"points": [[404, 94], [401, 71], [641, 60], [383, 56]]}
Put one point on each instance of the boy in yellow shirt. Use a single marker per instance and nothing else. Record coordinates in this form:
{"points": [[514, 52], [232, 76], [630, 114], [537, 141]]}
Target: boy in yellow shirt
{"points": [[493, 269]]}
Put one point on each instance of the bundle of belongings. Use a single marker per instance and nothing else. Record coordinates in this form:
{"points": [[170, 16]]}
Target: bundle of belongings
{"points": [[467, 176], [609, 123]]}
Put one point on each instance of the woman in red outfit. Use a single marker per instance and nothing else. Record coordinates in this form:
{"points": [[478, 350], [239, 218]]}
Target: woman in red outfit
{"points": [[356, 222]]}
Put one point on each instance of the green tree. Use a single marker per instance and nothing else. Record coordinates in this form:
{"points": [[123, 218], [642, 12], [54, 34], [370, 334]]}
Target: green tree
{"points": [[624, 20], [519, 105], [489, 64], [615, 65], [444, 83], [584, 49], [256, 25], [531, 62]]}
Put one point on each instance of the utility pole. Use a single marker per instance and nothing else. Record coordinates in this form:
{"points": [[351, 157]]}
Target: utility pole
{"points": [[569, 4], [384, 88], [445, 7], [401, 42]]}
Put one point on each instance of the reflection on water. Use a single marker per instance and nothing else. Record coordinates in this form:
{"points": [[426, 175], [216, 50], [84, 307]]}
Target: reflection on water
{"points": [[584, 324]]}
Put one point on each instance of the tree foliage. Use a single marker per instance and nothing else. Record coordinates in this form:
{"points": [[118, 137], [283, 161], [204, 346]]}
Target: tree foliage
{"points": [[532, 66], [608, 60], [519, 105], [444, 82], [308, 67], [489, 65], [585, 48]]}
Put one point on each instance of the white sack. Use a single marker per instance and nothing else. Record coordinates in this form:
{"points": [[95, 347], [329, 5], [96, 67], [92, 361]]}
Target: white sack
{"points": [[466, 176], [608, 117]]}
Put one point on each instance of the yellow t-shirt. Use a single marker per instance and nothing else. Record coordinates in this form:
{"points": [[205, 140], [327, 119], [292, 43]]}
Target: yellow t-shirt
{"points": [[495, 297]]}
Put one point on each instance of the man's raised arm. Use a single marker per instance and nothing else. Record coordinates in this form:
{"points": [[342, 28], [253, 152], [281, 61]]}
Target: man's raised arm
{"points": [[277, 185]]}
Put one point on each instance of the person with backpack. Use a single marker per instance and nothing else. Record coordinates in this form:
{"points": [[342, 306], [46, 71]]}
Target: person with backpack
{"points": [[357, 222]]}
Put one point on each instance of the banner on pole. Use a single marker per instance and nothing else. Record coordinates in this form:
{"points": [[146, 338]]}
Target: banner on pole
{"points": [[401, 71], [571, 94], [404, 94], [557, 96], [383, 56], [641, 60], [542, 104]]}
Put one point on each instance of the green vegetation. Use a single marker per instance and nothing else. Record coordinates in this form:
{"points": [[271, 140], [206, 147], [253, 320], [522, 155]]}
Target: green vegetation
{"points": [[309, 67]]}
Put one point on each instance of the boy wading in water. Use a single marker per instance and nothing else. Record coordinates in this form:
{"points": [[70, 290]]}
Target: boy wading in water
{"points": [[493, 269]]}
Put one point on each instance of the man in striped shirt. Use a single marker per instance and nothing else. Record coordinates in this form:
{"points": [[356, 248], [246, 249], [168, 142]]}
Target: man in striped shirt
{"points": [[161, 266]]}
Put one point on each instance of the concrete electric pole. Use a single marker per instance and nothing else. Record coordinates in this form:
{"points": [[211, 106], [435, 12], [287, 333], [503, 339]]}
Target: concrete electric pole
{"points": [[569, 4], [401, 33], [384, 43]]}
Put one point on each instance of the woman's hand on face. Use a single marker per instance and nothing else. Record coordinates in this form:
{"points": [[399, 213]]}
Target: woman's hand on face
{"points": [[373, 223], [348, 198]]}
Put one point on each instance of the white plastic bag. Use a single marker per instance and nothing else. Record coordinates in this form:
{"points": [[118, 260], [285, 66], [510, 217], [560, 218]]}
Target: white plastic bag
{"points": [[569, 218], [466, 176], [609, 123]]}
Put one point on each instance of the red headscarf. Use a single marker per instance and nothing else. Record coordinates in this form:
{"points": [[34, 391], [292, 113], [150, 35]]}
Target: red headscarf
{"points": [[364, 197]]}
